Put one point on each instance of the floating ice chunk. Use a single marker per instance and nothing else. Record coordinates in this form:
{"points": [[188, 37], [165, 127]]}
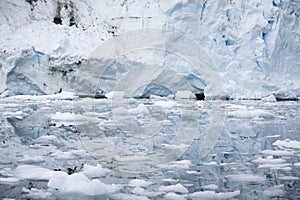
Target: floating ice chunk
{"points": [[63, 95], [284, 166], [140, 109], [214, 195], [270, 98], [31, 172], [245, 113], [37, 193], [122, 196], [8, 180], [178, 188], [288, 178], [140, 191], [115, 95], [69, 155], [183, 162], [245, 178], [239, 112], [19, 114], [174, 196], [297, 164], [47, 139], [261, 114], [68, 119], [80, 183], [180, 165], [31, 159], [210, 187], [152, 96], [269, 160], [6, 93], [277, 152], [275, 191], [273, 136], [95, 171], [287, 143], [213, 163], [193, 172], [140, 183], [170, 180], [166, 104]]}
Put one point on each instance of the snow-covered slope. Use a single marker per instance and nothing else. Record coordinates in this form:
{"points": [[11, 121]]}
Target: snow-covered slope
{"points": [[253, 45]]}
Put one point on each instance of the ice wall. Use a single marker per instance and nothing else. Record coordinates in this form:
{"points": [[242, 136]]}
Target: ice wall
{"points": [[254, 45]]}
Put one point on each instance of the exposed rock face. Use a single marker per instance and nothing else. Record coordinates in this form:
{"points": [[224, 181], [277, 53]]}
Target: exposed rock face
{"points": [[254, 46]]}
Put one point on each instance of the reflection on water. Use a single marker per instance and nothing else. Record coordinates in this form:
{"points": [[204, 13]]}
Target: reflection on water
{"points": [[253, 147]]}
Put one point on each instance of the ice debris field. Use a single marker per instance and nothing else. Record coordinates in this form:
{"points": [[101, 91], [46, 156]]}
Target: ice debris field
{"points": [[48, 153]]}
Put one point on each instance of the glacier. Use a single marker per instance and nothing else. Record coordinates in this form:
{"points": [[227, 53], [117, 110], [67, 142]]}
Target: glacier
{"points": [[253, 45]]}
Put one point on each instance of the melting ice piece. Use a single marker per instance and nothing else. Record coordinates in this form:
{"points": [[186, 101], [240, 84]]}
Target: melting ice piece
{"points": [[214, 195], [174, 188], [287, 143], [245, 178], [140, 183], [80, 183], [174, 196], [95, 171]]}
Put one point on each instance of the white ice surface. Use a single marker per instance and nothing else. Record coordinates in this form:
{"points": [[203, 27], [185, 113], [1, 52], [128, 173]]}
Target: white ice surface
{"points": [[179, 188], [214, 195]]}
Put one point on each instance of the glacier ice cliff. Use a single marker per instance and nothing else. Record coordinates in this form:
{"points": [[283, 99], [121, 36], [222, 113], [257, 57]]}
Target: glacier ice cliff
{"points": [[254, 45]]}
